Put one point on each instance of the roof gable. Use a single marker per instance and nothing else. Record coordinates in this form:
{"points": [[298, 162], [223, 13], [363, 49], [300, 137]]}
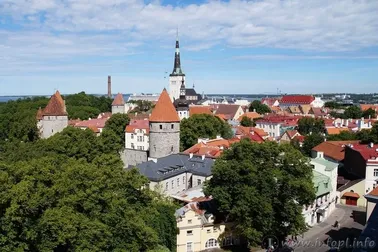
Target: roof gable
{"points": [[164, 110], [227, 109]]}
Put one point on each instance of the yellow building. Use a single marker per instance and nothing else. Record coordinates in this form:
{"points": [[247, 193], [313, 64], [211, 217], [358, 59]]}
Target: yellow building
{"points": [[197, 230]]}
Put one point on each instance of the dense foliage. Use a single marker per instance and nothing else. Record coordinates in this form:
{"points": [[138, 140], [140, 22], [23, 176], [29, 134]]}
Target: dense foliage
{"points": [[202, 126], [262, 189], [354, 112], [310, 142], [18, 118], [332, 105], [115, 129], [142, 106], [71, 193], [83, 106], [247, 122], [307, 125], [258, 107]]}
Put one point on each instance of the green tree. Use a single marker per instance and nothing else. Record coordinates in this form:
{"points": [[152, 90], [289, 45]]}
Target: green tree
{"points": [[275, 179], [307, 125], [258, 107], [353, 112], [343, 136], [247, 122], [117, 123], [369, 113], [332, 105], [202, 126], [310, 142], [142, 106]]}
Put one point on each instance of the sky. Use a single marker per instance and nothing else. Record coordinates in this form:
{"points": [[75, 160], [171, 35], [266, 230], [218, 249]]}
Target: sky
{"points": [[235, 46]]}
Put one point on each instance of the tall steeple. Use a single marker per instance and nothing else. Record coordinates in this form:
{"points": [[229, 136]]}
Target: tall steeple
{"points": [[182, 89], [177, 71]]}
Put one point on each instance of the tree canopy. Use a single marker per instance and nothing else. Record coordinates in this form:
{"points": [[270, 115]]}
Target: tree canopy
{"points": [[258, 107], [247, 122], [353, 112], [202, 126], [310, 142], [115, 129], [69, 193], [332, 105], [307, 125], [262, 188], [142, 106]]}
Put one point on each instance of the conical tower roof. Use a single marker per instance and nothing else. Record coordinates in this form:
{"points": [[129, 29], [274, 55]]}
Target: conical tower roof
{"points": [[56, 106], [118, 100], [164, 110]]}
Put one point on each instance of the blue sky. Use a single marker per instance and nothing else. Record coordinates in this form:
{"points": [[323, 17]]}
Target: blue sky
{"points": [[231, 46]]}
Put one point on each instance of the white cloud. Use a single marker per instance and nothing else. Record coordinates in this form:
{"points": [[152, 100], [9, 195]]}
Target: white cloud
{"points": [[307, 25]]}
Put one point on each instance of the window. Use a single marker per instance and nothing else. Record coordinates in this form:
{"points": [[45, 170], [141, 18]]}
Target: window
{"points": [[132, 136], [161, 126], [199, 181], [189, 221], [215, 230], [172, 184], [208, 231], [326, 185], [375, 172], [212, 243], [132, 146], [189, 232], [172, 126], [166, 186], [189, 247], [178, 182], [172, 148]]}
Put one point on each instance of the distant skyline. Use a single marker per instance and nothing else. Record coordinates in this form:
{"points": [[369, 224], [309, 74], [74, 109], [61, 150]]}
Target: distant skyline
{"points": [[312, 46]]}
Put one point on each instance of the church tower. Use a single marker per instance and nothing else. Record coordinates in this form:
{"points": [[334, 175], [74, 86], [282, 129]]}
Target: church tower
{"points": [[177, 74], [164, 128]]}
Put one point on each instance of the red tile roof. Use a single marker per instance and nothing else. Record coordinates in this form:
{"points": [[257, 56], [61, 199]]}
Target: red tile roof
{"points": [[56, 106], [118, 100], [193, 110], [164, 110], [297, 99], [335, 131], [269, 101], [333, 149], [366, 151], [365, 107], [98, 123], [228, 110], [138, 124], [300, 138], [105, 115], [374, 192], [251, 115], [351, 194], [292, 133], [140, 116]]}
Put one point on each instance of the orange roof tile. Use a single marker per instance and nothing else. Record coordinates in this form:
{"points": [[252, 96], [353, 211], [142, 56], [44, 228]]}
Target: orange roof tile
{"points": [[164, 110], [56, 106], [351, 194], [259, 131], [118, 100], [292, 133], [138, 124], [335, 131], [333, 149], [374, 192], [365, 107], [193, 110], [251, 115]]}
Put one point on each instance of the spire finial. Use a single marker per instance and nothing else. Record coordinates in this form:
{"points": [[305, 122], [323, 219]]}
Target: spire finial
{"points": [[177, 33]]}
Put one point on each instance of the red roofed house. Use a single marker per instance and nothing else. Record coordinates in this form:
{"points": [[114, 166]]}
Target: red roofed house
{"points": [[53, 118], [229, 111], [295, 100], [271, 101], [97, 125], [198, 109], [210, 148], [250, 115], [289, 135], [365, 107], [253, 134], [361, 161], [137, 135], [276, 125]]}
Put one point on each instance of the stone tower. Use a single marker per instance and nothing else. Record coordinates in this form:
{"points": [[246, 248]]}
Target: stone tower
{"points": [[53, 118], [118, 105], [177, 75], [164, 128], [182, 105]]}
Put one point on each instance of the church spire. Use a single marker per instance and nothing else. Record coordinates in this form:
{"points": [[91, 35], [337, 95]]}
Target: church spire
{"points": [[177, 71]]}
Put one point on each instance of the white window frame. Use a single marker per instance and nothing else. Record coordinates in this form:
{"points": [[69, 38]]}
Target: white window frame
{"points": [[191, 246], [375, 172]]}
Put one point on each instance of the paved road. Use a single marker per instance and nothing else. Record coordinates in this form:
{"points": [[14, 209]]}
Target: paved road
{"points": [[323, 235]]}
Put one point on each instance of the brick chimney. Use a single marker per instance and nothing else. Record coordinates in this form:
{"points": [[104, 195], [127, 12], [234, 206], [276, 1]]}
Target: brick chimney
{"points": [[109, 86]]}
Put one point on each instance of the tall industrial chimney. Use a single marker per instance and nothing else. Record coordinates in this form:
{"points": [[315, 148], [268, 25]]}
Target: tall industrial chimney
{"points": [[109, 86]]}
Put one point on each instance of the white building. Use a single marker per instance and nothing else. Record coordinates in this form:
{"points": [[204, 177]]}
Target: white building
{"points": [[177, 76], [137, 135]]}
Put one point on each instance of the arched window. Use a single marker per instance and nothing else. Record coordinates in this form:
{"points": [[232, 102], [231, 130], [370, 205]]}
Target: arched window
{"points": [[212, 243]]}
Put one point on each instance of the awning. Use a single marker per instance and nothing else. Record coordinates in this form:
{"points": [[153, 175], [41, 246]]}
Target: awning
{"points": [[351, 194]]}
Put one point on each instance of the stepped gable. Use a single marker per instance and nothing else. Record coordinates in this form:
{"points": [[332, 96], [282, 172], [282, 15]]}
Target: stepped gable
{"points": [[56, 106], [164, 110], [118, 100]]}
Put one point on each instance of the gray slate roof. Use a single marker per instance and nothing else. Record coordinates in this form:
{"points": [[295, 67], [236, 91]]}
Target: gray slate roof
{"points": [[174, 165]]}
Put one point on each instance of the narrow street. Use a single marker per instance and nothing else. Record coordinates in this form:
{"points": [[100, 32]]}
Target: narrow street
{"points": [[321, 236]]}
